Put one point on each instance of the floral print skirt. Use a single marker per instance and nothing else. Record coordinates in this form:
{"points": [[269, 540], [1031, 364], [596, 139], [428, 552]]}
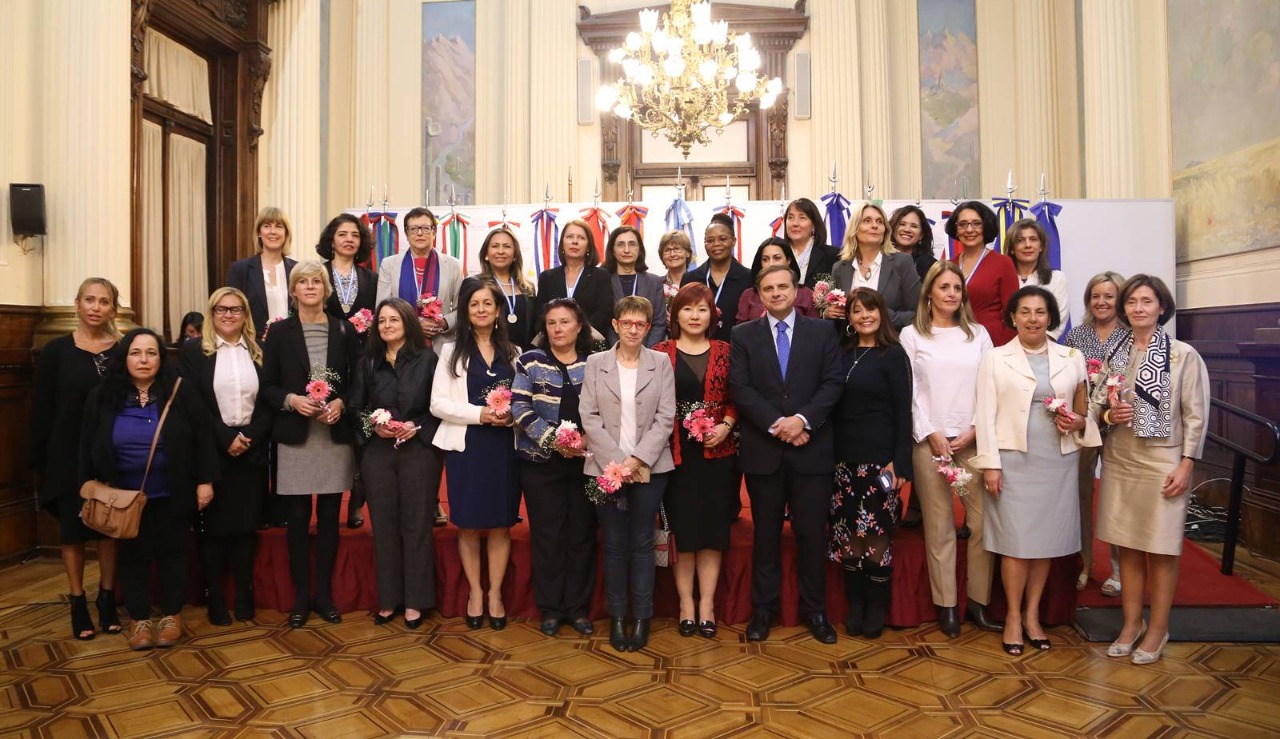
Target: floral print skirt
{"points": [[862, 518]]}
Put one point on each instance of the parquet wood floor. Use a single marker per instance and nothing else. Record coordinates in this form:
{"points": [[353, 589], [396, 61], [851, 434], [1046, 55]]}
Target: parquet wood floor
{"points": [[360, 680]]}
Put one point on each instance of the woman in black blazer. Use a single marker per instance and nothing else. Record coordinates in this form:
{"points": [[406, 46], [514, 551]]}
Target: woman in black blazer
{"points": [[268, 296], [868, 260], [120, 421], [629, 275], [725, 275], [313, 439], [401, 469], [807, 233], [225, 369], [501, 262], [579, 278], [346, 244]]}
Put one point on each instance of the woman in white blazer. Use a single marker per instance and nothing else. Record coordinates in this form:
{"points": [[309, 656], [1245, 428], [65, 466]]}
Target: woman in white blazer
{"points": [[480, 459], [1028, 450], [628, 410]]}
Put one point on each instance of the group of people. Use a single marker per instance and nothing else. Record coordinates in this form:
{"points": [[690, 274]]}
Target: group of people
{"points": [[606, 395]]}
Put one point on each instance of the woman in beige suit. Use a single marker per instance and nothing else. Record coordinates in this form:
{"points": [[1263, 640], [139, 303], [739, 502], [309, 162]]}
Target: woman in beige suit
{"points": [[628, 409], [1029, 457], [1155, 423]]}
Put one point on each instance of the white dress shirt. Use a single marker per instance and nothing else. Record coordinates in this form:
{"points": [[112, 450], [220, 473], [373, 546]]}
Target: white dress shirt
{"points": [[873, 281], [277, 294], [944, 368], [235, 382], [627, 377]]}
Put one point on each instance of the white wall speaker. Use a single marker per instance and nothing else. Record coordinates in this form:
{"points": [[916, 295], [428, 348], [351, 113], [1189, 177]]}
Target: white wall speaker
{"points": [[803, 86], [586, 95]]}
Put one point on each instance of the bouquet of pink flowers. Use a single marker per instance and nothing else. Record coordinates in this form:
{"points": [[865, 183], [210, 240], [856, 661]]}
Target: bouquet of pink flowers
{"points": [[362, 320], [321, 385], [1058, 407], [957, 475], [568, 436], [1093, 368], [1115, 384], [382, 417], [669, 290], [430, 308], [697, 419], [602, 488], [826, 294], [498, 398]]}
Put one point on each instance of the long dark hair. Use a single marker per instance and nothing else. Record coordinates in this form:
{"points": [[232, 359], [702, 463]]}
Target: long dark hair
{"points": [[464, 335], [584, 344], [810, 209], [324, 247], [118, 387], [782, 244], [414, 339], [611, 261], [886, 335]]}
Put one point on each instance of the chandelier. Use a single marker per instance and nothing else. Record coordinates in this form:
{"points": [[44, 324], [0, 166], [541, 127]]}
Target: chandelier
{"points": [[677, 75]]}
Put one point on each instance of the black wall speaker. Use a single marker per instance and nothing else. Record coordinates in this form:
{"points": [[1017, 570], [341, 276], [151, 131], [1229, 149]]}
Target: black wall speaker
{"points": [[26, 209]]}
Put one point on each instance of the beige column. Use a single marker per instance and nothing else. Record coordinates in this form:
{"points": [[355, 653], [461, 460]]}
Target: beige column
{"points": [[83, 144], [837, 118], [515, 111], [1112, 127], [552, 97], [371, 113], [875, 100], [20, 273], [342, 189], [1035, 94], [289, 162], [904, 101]]}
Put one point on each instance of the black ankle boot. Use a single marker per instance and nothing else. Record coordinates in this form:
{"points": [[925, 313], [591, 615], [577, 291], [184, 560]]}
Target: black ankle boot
{"points": [[879, 588], [639, 635], [108, 619], [855, 596], [617, 633]]}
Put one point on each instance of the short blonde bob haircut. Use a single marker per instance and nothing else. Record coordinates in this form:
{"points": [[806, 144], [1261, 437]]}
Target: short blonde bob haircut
{"points": [[310, 268], [272, 214], [207, 338]]}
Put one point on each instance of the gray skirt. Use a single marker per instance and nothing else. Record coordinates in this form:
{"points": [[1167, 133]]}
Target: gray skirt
{"points": [[317, 466]]}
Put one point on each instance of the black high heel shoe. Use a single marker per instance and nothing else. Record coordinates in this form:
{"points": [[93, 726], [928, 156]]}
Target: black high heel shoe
{"points": [[381, 620], [413, 623], [707, 629], [108, 619], [687, 627], [80, 621], [497, 623]]}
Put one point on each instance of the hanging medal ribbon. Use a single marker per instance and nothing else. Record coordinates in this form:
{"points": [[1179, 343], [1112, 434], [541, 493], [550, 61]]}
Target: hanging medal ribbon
{"points": [[837, 217], [737, 215], [598, 219], [546, 237], [633, 215], [453, 236], [1008, 212]]}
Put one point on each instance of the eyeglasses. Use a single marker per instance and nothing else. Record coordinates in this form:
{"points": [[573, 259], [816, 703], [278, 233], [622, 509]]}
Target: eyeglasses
{"points": [[969, 226], [626, 325], [222, 310], [420, 230], [673, 250]]}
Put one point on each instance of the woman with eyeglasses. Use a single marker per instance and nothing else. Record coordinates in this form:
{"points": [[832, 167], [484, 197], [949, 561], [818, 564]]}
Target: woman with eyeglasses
{"points": [[677, 257], [546, 394], [422, 273], [628, 410], [225, 371], [990, 278], [67, 369], [629, 275]]}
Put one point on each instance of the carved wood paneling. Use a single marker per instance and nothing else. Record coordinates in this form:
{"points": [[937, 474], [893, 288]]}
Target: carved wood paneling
{"points": [[17, 492]]}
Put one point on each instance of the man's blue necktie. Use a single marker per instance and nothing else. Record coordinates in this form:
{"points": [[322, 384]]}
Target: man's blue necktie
{"points": [[784, 348]]}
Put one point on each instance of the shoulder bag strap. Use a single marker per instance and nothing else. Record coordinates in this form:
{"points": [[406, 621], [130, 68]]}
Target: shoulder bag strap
{"points": [[155, 439]]}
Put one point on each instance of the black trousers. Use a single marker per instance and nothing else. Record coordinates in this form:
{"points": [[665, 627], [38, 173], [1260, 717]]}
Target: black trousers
{"points": [[562, 533], [162, 540], [403, 487], [808, 497], [298, 538], [228, 555]]}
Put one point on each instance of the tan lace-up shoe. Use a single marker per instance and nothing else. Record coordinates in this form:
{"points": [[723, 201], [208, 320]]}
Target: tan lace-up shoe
{"points": [[140, 636], [170, 629]]}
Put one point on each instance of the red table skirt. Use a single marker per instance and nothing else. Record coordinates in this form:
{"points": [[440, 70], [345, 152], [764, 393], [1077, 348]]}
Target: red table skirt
{"points": [[354, 582]]}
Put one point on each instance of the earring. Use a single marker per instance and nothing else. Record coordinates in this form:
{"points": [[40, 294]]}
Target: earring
{"points": [[848, 330]]}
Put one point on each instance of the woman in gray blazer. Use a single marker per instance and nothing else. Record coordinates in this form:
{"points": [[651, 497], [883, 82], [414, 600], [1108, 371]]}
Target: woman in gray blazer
{"points": [[624, 261], [628, 410], [868, 259]]}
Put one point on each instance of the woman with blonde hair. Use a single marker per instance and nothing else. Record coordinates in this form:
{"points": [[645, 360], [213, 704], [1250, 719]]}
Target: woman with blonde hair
{"points": [[225, 370], [868, 259], [264, 277], [68, 368], [676, 252], [946, 345], [1100, 333]]}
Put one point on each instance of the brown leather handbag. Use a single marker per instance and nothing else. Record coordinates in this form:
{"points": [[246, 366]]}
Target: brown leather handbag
{"points": [[115, 512]]}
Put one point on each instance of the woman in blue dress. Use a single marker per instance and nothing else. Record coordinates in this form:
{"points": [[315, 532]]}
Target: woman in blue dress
{"points": [[480, 466]]}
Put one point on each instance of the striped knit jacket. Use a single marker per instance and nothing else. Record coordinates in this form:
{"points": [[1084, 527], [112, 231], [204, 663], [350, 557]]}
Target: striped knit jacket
{"points": [[535, 401]]}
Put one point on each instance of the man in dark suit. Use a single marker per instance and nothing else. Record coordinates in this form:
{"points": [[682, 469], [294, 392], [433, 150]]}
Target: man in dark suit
{"points": [[784, 378], [726, 276]]}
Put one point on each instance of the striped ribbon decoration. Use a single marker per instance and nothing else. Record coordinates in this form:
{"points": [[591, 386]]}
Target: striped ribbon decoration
{"points": [[633, 215], [598, 220], [837, 217], [1008, 212], [386, 237], [546, 235], [453, 237], [737, 215]]}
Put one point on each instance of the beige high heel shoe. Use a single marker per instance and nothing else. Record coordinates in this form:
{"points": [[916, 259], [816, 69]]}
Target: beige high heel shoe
{"points": [[1143, 657], [1118, 649]]}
